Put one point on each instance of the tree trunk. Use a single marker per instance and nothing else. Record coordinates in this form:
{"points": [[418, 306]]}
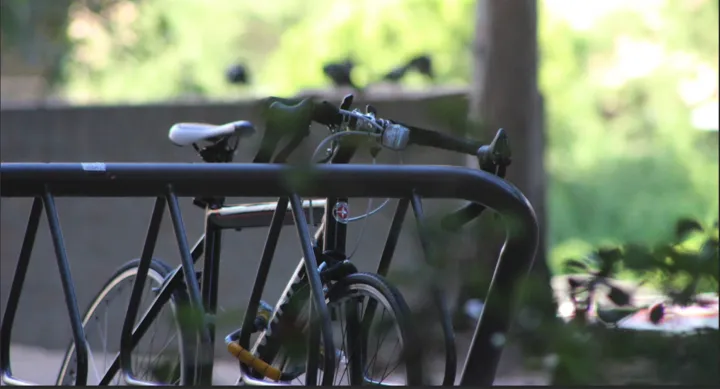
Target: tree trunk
{"points": [[504, 94]]}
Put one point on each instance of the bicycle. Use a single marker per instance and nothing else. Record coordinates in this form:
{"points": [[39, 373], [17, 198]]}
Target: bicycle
{"points": [[328, 286]]}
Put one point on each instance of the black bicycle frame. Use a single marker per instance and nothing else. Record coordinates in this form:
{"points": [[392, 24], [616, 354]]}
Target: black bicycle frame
{"points": [[167, 181], [335, 233], [333, 239]]}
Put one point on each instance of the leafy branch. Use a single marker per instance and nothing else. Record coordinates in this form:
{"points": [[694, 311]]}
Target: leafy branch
{"points": [[680, 268]]}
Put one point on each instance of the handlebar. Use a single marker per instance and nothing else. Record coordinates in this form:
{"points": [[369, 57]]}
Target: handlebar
{"points": [[288, 115]]}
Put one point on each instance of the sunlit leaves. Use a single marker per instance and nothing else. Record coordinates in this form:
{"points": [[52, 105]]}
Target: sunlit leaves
{"points": [[573, 266], [675, 268]]}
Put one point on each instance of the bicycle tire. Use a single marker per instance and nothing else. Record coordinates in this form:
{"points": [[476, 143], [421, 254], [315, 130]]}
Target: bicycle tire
{"points": [[269, 346], [158, 272]]}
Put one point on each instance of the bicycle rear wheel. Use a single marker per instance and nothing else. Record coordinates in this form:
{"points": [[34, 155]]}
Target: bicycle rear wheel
{"points": [[366, 310], [106, 326]]}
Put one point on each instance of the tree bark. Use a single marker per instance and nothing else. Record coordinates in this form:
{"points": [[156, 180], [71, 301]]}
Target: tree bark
{"points": [[504, 94]]}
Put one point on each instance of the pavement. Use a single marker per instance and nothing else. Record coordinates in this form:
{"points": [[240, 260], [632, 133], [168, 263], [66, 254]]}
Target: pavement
{"points": [[41, 366]]}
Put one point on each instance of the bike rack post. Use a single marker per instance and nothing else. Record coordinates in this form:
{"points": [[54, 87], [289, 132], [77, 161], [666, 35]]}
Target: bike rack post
{"points": [[44, 199], [15, 291], [273, 235], [271, 180], [393, 236], [81, 352], [163, 295], [320, 325], [193, 288], [126, 344], [438, 296]]}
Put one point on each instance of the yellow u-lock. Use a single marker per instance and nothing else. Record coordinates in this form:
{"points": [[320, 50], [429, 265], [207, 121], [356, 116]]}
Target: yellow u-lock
{"points": [[254, 362]]}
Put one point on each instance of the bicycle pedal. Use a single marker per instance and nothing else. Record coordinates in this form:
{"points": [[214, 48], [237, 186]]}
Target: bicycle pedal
{"points": [[263, 315]]}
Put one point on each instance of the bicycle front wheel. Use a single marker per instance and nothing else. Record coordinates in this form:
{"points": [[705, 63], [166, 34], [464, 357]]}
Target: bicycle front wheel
{"points": [[159, 355], [375, 342]]}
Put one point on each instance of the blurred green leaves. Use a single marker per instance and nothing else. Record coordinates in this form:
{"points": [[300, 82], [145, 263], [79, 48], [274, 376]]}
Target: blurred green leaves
{"points": [[595, 352], [682, 267], [622, 157]]}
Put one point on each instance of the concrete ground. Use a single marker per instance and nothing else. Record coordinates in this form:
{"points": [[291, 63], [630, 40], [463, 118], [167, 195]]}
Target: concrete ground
{"points": [[41, 366]]}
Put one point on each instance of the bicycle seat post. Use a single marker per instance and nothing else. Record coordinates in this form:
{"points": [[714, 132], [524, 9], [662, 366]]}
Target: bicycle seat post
{"points": [[221, 151]]}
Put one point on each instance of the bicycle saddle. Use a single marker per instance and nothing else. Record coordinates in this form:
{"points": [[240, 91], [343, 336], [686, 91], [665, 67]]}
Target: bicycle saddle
{"points": [[183, 134]]}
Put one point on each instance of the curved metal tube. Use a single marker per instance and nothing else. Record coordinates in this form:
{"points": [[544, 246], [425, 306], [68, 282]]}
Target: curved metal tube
{"points": [[265, 180]]}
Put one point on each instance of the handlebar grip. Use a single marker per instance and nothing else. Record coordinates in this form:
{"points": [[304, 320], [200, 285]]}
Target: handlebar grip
{"points": [[423, 137], [267, 102], [324, 113], [284, 117], [327, 114]]}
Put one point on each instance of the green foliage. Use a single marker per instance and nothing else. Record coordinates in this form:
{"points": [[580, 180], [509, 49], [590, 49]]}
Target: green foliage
{"points": [[622, 157], [680, 268], [36, 32], [597, 352], [592, 355], [378, 34], [284, 42], [141, 51]]}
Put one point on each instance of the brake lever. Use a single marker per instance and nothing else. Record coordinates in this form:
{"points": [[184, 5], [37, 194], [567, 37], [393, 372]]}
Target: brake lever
{"points": [[347, 102], [493, 158], [495, 155]]}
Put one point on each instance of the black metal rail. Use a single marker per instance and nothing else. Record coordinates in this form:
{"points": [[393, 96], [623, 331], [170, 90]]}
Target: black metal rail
{"points": [[44, 181]]}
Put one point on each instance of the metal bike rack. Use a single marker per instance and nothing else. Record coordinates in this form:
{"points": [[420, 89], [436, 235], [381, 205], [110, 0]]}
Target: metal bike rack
{"points": [[168, 181]]}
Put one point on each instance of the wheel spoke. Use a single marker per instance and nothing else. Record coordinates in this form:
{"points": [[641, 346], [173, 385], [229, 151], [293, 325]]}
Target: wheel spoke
{"points": [[362, 298], [100, 322]]}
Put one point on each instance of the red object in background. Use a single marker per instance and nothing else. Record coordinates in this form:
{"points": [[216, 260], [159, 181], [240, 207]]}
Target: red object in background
{"points": [[662, 317]]}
